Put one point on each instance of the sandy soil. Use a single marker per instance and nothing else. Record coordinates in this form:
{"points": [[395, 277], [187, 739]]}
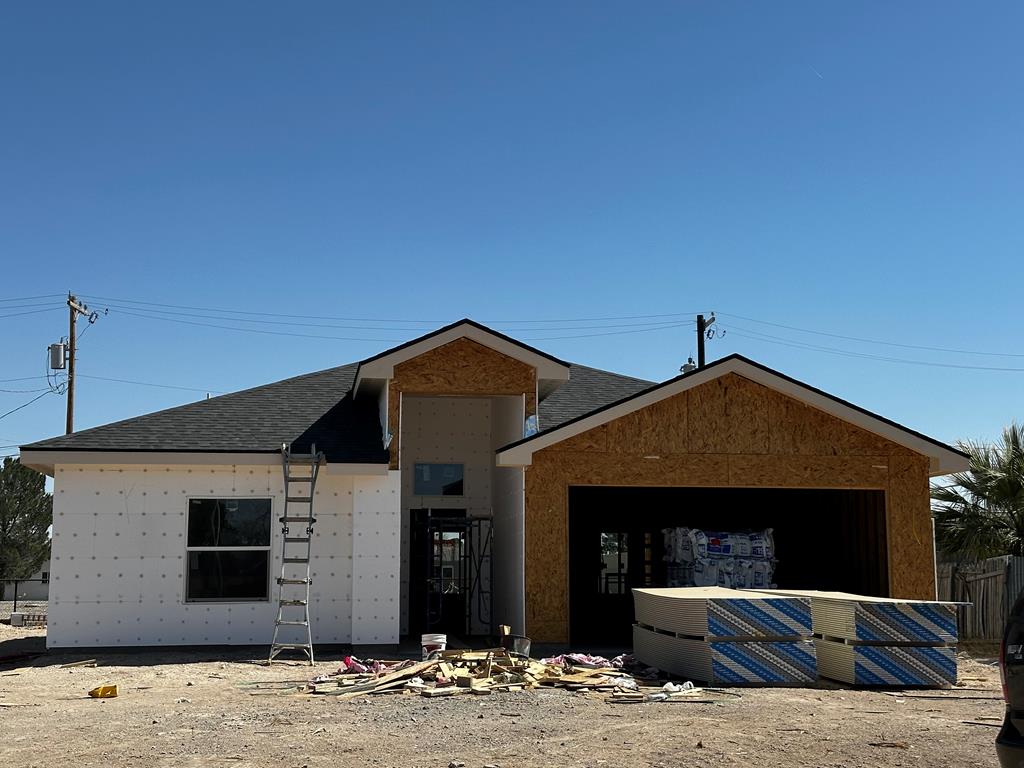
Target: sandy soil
{"points": [[193, 709]]}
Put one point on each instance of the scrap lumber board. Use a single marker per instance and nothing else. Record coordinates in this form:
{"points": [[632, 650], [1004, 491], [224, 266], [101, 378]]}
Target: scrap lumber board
{"points": [[879, 619], [388, 680], [743, 662], [883, 665], [720, 613]]}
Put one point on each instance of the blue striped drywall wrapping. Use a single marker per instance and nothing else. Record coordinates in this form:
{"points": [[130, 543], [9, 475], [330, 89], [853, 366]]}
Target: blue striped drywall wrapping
{"points": [[759, 618], [906, 622], [791, 663], [904, 665]]}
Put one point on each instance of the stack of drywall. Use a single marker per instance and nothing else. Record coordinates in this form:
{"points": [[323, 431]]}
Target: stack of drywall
{"points": [[725, 636], [882, 641]]}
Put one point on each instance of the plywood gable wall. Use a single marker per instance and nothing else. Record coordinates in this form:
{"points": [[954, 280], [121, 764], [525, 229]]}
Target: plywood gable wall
{"points": [[731, 415], [462, 368]]}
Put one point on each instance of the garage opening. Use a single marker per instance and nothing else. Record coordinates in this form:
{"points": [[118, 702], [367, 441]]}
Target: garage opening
{"points": [[824, 539]]}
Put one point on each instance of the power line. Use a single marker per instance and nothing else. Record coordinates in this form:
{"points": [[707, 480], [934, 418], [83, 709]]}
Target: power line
{"points": [[877, 341], [149, 384], [360, 327], [733, 330], [22, 378], [33, 298], [25, 405], [22, 391], [29, 312], [609, 333], [375, 319]]}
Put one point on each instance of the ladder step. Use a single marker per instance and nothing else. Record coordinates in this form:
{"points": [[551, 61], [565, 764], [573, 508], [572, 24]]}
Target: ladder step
{"points": [[309, 520], [295, 560], [294, 479], [303, 459], [299, 499], [282, 623], [295, 541], [294, 581], [297, 603], [301, 646]]}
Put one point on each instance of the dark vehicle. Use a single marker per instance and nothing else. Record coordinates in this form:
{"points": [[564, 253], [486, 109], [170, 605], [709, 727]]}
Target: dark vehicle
{"points": [[1010, 741]]}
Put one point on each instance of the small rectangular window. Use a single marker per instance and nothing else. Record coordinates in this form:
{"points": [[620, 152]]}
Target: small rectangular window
{"points": [[437, 479], [228, 549]]}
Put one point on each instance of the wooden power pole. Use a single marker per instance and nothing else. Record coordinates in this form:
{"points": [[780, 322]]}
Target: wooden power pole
{"points": [[75, 309], [701, 330]]}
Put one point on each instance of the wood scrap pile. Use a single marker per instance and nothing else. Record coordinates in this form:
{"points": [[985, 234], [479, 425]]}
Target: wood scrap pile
{"points": [[456, 672]]}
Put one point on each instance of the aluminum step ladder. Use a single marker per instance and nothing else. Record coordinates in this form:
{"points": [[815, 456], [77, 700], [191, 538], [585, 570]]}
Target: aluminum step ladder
{"points": [[300, 473]]}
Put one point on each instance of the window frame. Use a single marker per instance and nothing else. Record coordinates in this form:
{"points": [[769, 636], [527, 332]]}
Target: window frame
{"points": [[249, 548]]}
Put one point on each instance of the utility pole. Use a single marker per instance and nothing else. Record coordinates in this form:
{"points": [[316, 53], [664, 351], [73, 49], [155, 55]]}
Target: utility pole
{"points": [[701, 330], [75, 309]]}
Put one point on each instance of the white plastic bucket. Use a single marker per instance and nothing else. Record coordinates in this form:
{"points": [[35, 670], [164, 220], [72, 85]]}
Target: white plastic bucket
{"points": [[433, 643]]}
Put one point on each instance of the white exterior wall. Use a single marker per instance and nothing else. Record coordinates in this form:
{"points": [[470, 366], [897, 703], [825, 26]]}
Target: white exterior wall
{"points": [[508, 415], [117, 574], [445, 430]]}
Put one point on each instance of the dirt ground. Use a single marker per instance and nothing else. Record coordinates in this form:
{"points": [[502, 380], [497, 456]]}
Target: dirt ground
{"points": [[193, 709]]}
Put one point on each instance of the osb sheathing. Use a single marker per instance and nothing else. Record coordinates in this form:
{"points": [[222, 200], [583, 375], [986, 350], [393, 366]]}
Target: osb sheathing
{"points": [[728, 432], [461, 368]]}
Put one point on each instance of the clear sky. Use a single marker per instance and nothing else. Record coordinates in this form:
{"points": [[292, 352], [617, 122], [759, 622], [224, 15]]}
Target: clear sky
{"points": [[853, 169]]}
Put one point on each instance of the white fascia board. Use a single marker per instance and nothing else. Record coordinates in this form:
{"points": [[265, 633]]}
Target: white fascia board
{"points": [[384, 367], [942, 460], [45, 461]]}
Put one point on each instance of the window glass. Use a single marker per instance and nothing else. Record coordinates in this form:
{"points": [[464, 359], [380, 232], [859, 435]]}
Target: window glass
{"points": [[229, 522], [228, 574], [228, 549], [437, 480]]}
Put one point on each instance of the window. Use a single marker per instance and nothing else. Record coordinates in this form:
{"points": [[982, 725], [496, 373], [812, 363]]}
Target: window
{"points": [[614, 563], [437, 480], [228, 549]]}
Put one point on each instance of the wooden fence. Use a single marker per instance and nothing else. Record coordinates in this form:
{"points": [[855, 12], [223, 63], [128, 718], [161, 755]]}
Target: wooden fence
{"points": [[990, 586]]}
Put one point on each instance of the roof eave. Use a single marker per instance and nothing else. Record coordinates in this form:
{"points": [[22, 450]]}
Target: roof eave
{"points": [[45, 460]]}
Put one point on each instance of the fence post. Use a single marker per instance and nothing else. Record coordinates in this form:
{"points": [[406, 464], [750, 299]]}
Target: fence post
{"points": [[15, 608]]}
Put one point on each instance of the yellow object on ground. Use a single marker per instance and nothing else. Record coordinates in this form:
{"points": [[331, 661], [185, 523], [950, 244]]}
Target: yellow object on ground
{"points": [[104, 692]]}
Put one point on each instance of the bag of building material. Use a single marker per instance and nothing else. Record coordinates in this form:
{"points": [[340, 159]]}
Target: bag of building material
{"points": [[694, 545], [762, 545], [726, 567], [762, 572], [705, 572], [741, 546], [742, 573]]}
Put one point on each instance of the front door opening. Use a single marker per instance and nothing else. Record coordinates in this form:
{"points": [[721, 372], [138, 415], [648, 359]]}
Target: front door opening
{"points": [[450, 578]]}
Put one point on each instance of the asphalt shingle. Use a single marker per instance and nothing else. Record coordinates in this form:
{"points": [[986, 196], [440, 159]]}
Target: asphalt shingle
{"points": [[314, 408]]}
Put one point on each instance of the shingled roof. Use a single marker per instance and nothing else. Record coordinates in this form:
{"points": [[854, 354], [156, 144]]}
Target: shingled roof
{"points": [[313, 408]]}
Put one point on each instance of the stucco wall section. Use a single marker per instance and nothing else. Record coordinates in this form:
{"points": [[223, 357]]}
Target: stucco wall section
{"points": [[461, 368], [728, 432]]}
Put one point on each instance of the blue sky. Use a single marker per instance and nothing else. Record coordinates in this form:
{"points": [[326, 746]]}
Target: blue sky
{"points": [[850, 169]]}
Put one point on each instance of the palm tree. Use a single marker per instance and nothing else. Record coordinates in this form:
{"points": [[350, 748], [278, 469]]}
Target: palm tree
{"points": [[980, 513]]}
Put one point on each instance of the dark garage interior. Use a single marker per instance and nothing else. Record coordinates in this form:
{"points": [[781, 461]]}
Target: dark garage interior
{"points": [[824, 539]]}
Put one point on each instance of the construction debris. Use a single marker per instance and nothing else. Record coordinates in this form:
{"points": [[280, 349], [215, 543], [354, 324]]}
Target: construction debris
{"points": [[104, 692], [459, 672]]}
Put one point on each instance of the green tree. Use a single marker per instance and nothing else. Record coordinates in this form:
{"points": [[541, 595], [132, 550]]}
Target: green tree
{"points": [[981, 512], [26, 513]]}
